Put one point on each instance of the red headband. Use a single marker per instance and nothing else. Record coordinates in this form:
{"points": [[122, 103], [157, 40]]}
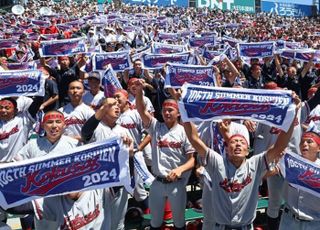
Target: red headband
{"points": [[315, 137], [4, 103], [62, 58], [170, 104], [52, 116], [132, 80], [123, 92], [239, 135]]}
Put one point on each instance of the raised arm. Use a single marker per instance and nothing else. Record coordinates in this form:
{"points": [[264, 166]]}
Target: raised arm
{"points": [[278, 65], [93, 122], [276, 151], [144, 114], [193, 136], [307, 67]]}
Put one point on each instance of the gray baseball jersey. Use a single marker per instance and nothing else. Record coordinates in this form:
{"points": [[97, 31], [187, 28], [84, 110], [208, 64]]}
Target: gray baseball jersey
{"points": [[75, 118], [90, 211], [170, 148], [93, 101], [146, 101], [41, 146], [14, 135], [235, 190]]}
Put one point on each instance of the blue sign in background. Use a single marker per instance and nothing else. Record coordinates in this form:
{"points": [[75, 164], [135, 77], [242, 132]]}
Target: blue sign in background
{"points": [[180, 3], [286, 9]]}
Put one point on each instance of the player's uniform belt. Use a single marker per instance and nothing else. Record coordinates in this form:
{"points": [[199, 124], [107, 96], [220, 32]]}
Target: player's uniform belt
{"points": [[293, 215], [164, 180]]}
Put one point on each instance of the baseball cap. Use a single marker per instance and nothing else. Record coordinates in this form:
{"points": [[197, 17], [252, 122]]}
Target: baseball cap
{"points": [[94, 74]]}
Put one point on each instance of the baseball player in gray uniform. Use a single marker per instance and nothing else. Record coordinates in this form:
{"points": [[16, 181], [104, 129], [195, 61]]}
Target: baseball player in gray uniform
{"points": [[302, 208], [76, 112], [235, 179], [131, 120], [78, 210], [52, 143], [102, 125], [212, 134], [266, 136], [172, 160], [15, 126], [94, 96]]}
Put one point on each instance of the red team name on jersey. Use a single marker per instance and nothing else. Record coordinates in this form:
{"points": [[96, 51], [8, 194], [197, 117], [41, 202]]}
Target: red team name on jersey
{"points": [[40, 183], [275, 130], [235, 186], [6, 135], [167, 144], [216, 106], [80, 221], [74, 121], [129, 126]]}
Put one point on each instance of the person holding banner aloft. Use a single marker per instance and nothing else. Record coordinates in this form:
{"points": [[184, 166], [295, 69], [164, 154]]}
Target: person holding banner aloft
{"points": [[172, 160], [64, 75], [235, 179], [102, 125], [264, 137], [302, 200]]}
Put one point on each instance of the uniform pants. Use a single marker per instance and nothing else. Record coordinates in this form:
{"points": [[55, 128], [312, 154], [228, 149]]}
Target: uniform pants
{"points": [[177, 196], [207, 208], [118, 209], [275, 190]]}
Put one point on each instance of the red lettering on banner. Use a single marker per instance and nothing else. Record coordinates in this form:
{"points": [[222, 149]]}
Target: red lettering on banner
{"points": [[233, 107], [7, 82], [51, 178], [310, 178]]}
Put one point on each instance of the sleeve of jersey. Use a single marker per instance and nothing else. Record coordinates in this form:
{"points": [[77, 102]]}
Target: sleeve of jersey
{"points": [[23, 153], [305, 111], [211, 159], [259, 162], [150, 128], [187, 146]]}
